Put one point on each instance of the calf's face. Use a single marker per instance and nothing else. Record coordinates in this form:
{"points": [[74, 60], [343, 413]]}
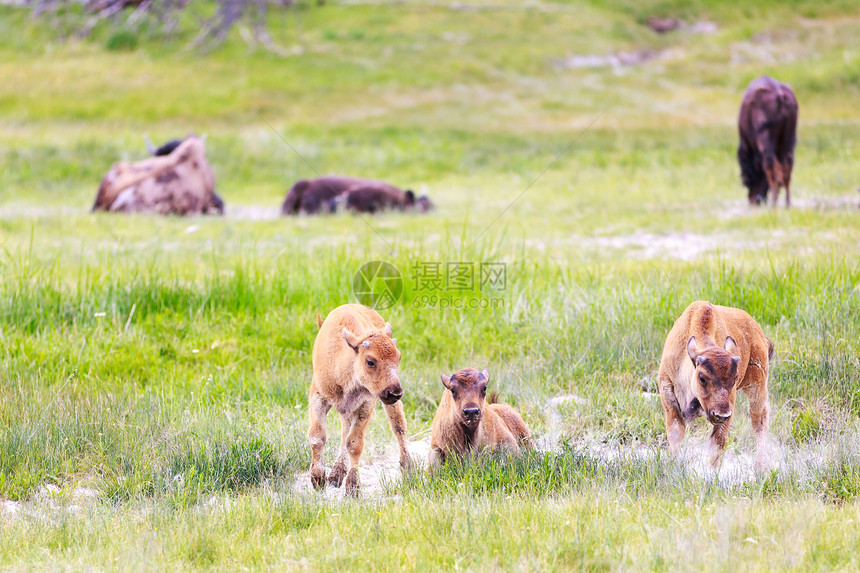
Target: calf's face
{"points": [[469, 389], [715, 378], [376, 362]]}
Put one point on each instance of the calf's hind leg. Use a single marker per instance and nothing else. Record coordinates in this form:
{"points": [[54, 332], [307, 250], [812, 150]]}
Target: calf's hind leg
{"points": [[318, 409], [676, 427]]}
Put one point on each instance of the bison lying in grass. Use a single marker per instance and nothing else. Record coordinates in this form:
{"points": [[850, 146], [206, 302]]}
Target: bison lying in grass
{"points": [[355, 363], [324, 194], [467, 421], [180, 182], [373, 199], [711, 353], [767, 125]]}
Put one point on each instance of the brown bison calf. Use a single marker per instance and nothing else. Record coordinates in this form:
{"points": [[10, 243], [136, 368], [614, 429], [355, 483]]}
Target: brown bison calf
{"points": [[373, 199], [711, 353], [465, 423], [312, 196], [355, 363], [767, 125]]}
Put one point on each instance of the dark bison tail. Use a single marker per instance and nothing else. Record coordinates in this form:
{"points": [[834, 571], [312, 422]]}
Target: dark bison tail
{"points": [[493, 398], [294, 198], [770, 350]]}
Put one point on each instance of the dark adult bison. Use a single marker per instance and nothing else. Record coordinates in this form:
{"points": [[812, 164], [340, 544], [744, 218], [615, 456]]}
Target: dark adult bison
{"points": [[311, 196], [767, 125]]}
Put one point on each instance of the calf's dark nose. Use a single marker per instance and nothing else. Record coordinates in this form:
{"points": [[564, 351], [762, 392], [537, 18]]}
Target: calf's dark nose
{"points": [[720, 418], [471, 413]]}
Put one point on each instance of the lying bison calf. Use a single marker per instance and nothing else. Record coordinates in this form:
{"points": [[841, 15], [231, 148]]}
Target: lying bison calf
{"points": [[312, 196], [710, 354], [355, 363], [466, 423], [374, 199]]}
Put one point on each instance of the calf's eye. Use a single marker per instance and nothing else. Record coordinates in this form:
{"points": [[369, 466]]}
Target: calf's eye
{"points": [[371, 363]]}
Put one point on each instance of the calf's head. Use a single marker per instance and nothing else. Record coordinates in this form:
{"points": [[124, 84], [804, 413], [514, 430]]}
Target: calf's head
{"points": [[376, 362], [469, 389], [715, 378]]}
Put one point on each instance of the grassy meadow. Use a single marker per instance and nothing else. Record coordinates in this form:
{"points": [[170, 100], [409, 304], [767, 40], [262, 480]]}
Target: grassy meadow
{"points": [[154, 372]]}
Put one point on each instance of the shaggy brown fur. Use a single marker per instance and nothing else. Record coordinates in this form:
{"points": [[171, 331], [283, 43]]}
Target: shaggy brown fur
{"points": [[373, 199], [466, 422], [180, 183], [767, 125], [355, 363], [711, 353], [311, 196]]}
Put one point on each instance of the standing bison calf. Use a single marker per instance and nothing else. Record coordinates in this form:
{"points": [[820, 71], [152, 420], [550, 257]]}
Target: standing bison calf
{"points": [[465, 423], [768, 132], [355, 363], [711, 353]]}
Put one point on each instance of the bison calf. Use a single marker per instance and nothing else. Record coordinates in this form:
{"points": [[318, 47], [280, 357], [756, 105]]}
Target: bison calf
{"points": [[711, 353], [767, 125], [312, 196], [355, 363], [466, 423], [373, 199]]}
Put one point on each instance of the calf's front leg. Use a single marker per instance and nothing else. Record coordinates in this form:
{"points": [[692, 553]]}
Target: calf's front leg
{"points": [[398, 426], [759, 414], [318, 409], [717, 443], [355, 444], [338, 470]]}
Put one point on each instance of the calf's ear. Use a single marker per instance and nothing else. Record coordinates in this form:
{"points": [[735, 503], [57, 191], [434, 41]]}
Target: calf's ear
{"points": [[731, 346], [446, 381], [692, 349], [485, 375], [351, 339], [388, 331]]}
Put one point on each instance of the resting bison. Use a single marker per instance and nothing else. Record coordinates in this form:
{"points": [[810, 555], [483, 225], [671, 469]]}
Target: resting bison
{"points": [[180, 183], [355, 363], [373, 199], [767, 126], [311, 196], [710, 354], [465, 422]]}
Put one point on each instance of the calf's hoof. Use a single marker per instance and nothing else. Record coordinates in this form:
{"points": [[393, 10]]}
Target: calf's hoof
{"points": [[336, 475], [352, 482], [409, 465], [318, 477]]}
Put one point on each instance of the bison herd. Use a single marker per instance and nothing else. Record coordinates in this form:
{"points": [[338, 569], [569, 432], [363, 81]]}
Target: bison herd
{"points": [[178, 179], [711, 353]]}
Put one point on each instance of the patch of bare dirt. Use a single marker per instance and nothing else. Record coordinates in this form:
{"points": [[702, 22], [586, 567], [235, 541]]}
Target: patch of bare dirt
{"points": [[375, 472], [616, 61]]}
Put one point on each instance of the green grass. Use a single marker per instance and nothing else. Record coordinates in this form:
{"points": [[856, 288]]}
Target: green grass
{"points": [[163, 363]]}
